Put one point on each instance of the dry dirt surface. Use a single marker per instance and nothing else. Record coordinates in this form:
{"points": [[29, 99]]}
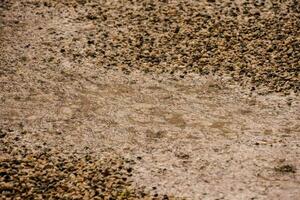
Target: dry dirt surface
{"points": [[148, 99]]}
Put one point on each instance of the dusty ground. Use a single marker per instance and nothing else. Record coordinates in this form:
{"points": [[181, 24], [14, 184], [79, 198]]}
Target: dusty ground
{"points": [[149, 99]]}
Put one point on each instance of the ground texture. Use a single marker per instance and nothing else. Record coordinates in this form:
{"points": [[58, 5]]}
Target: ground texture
{"points": [[149, 99]]}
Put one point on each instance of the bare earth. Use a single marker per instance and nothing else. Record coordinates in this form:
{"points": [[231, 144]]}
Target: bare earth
{"points": [[164, 135]]}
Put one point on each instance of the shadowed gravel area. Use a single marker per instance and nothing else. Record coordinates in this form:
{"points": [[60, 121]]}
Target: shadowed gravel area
{"points": [[148, 99], [253, 42], [46, 173]]}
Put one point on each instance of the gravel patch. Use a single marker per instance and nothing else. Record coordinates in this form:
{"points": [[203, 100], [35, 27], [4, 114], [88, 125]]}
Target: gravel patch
{"points": [[148, 99]]}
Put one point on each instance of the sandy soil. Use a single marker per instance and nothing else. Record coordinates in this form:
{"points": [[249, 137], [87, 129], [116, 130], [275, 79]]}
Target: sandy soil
{"points": [[134, 111]]}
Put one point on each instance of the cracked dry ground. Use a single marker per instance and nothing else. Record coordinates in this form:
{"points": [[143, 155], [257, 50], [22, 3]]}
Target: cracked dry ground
{"points": [[149, 99]]}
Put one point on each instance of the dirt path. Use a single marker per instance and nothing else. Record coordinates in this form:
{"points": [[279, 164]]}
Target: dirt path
{"points": [[185, 136], [193, 137]]}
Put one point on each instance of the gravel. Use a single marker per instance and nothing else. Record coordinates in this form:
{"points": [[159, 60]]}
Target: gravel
{"points": [[49, 47], [40, 172], [256, 43]]}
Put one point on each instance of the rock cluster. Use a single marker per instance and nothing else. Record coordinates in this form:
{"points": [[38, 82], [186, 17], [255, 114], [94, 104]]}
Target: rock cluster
{"points": [[47, 173], [254, 42]]}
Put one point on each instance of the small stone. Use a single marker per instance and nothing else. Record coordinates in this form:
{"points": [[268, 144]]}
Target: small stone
{"points": [[286, 169], [2, 134]]}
